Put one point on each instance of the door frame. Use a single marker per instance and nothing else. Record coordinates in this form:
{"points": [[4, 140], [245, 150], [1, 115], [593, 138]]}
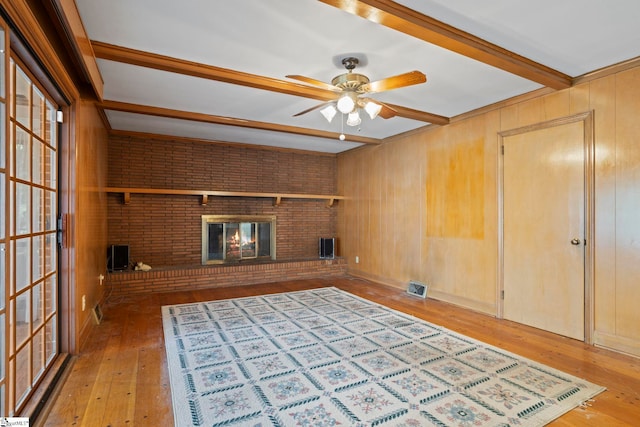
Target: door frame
{"points": [[589, 205]]}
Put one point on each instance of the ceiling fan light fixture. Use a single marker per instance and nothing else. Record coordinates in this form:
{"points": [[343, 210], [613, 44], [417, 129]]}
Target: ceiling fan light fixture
{"points": [[347, 88], [372, 109], [353, 119], [346, 103], [329, 112]]}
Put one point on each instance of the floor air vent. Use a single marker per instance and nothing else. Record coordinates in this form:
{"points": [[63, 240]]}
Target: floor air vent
{"points": [[418, 289]]}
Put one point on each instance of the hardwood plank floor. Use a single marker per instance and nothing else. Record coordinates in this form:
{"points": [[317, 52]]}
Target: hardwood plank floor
{"points": [[121, 378]]}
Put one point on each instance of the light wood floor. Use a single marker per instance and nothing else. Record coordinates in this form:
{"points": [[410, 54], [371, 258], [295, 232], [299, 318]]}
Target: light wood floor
{"points": [[121, 378]]}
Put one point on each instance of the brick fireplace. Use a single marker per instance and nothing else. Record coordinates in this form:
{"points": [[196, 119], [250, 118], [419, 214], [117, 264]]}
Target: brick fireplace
{"points": [[165, 231]]}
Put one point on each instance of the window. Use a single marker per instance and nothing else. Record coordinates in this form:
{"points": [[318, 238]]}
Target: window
{"points": [[28, 247]]}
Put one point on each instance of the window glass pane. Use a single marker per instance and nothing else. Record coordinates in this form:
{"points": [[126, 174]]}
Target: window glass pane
{"points": [[37, 210], [50, 254], [38, 355], [23, 216], [23, 156], [50, 176], [2, 276], [37, 260], [12, 78], [23, 99], [3, 142], [3, 341], [10, 342], [12, 190], [37, 293], [2, 205], [38, 109], [22, 374], [50, 136], [2, 75], [23, 318], [50, 295], [50, 211], [51, 335], [38, 165], [12, 272], [23, 263]]}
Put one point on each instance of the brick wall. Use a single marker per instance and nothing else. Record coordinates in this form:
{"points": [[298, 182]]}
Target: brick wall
{"points": [[165, 231]]}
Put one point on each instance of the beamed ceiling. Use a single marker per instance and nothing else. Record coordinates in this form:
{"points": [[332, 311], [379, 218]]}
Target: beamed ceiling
{"points": [[216, 70]]}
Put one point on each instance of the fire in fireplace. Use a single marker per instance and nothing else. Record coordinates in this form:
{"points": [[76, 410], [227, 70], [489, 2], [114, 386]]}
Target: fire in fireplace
{"points": [[228, 239]]}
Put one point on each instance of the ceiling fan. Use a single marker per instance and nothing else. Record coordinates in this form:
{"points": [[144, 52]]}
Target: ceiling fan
{"points": [[350, 90]]}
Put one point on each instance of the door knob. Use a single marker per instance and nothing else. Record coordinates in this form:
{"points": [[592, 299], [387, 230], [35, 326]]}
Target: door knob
{"points": [[575, 241]]}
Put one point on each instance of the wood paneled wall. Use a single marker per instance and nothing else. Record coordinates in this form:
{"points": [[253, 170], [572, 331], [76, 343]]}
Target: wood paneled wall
{"points": [[91, 214], [424, 206]]}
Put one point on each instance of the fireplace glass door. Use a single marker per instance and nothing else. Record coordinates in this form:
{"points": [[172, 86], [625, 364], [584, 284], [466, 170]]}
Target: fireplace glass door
{"points": [[232, 239], [240, 240]]}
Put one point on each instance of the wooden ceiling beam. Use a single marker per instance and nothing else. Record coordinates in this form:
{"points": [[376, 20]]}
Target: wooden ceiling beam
{"points": [[72, 24], [408, 21], [196, 69], [165, 63], [228, 121]]}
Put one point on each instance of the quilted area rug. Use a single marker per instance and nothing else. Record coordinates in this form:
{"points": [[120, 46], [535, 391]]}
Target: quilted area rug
{"points": [[325, 357]]}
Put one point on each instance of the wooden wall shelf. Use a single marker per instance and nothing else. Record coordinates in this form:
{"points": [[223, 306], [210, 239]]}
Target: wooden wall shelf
{"points": [[204, 194]]}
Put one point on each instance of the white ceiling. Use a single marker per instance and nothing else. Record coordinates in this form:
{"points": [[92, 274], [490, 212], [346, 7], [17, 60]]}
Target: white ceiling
{"points": [[274, 38]]}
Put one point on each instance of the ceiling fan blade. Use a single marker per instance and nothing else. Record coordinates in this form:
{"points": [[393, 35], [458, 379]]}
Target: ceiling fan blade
{"points": [[395, 82], [310, 109], [387, 112], [314, 82], [410, 113], [391, 110]]}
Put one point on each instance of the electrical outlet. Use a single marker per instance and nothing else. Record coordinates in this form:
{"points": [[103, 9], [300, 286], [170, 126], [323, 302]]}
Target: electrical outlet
{"points": [[357, 259], [84, 302]]}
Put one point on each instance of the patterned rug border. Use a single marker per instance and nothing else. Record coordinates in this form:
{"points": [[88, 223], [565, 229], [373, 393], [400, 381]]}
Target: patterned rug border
{"points": [[186, 390]]}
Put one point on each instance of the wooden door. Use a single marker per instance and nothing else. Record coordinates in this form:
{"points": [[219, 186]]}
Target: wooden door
{"points": [[543, 215]]}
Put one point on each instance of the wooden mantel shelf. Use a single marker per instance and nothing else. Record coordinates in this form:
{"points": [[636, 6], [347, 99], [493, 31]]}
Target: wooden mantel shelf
{"points": [[277, 197]]}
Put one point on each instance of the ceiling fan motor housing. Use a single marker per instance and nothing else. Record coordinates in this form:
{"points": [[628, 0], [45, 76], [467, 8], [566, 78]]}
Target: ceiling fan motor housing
{"points": [[350, 81]]}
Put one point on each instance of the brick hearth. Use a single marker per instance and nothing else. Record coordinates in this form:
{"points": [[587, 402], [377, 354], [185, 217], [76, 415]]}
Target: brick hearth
{"points": [[199, 277]]}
